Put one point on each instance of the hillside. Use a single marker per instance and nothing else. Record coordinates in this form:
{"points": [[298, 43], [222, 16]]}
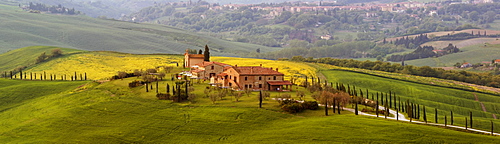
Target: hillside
{"points": [[22, 29], [26, 56], [112, 113], [472, 54]]}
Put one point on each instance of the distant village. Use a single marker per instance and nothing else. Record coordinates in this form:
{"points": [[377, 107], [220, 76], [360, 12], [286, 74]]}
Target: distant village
{"points": [[329, 6]]}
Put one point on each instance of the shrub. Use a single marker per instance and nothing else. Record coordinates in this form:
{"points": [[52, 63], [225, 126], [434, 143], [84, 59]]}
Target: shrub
{"points": [[287, 101], [292, 108], [311, 105], [161, 96], [135, 83]]}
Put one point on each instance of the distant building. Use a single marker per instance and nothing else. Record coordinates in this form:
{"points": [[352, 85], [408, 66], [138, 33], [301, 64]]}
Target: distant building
{"points": [[466, 65], [326, 37], [192, 59]]}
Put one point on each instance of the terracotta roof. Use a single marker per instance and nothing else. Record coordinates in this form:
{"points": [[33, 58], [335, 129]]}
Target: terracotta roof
{"points": [[256, 70], [279, 83], [204, 64], [497, 60], [196, 55]]}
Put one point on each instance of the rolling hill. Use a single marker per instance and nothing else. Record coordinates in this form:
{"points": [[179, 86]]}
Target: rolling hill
{"points": [[472, 54], [22, 29], [111, 112]]}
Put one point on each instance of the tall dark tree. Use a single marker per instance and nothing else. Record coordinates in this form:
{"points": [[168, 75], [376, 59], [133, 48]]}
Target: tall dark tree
{"points": [[470, 114], [451, 118], [206, 54], [436, 116], [200, 52], [425, 115]]}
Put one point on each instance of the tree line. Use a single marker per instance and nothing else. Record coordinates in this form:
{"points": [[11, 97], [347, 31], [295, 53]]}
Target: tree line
{"points": [[485, 79], [59, 9]]}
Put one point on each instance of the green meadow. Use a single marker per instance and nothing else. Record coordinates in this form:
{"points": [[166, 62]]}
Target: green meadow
{"points": [[445, 99], [70, 112], [472, 54], [22, 29]]}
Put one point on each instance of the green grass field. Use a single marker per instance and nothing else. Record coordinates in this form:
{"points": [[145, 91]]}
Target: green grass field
{"points": [[27, 56], [112, 113], [23, 29], [444, 99], [472, 54]]}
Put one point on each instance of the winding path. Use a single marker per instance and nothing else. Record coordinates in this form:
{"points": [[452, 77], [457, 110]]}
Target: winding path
{"points": [[402, 117]]}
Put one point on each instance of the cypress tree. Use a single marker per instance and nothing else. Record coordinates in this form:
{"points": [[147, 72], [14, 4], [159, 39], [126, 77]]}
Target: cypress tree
{"points": [[147, 90], [376, 109], [76, 76], [31, 76], [399, 106], [470, 114], [386, 100], [451, 112], [377, 96], [491, 127], [465, 123], [338, 107], [206, 54], [156, 86], [395, 101], [418, 114], [50, 77], [397, 114], [356, 110], [21, 74], [382, 98], [333, 105], [326, 108], [425, 115], [10, 74], [81, 77], [390, 99], [436, 116], [367, 94], [85, 76], [168, 88], [44, 75], [372, 97]]}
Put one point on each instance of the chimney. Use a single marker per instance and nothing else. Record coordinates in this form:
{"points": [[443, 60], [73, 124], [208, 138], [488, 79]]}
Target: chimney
{"points": [[271, 68], [276, 69], [235, 65], [260, 65]]}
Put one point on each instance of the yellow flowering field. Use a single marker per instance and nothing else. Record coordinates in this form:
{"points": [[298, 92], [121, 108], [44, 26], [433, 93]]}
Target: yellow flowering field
{"points": [[103, 65], [290, 69]]}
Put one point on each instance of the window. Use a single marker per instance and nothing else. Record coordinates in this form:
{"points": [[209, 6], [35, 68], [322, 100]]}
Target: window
{"points": [[260, 85], [230, 84], [246, 78], [212, 67], [260, 78], [274, 77]]}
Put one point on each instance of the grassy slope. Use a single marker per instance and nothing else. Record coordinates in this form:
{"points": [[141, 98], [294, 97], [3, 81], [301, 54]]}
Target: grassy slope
{"points": [[112, 113], [26, 56], [444, 99], [472, 54], [22, 29]]}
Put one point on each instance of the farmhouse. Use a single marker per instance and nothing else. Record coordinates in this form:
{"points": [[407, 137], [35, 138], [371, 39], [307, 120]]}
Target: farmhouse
{"points": [[253, 77], [224, 75], [192, 59]]}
